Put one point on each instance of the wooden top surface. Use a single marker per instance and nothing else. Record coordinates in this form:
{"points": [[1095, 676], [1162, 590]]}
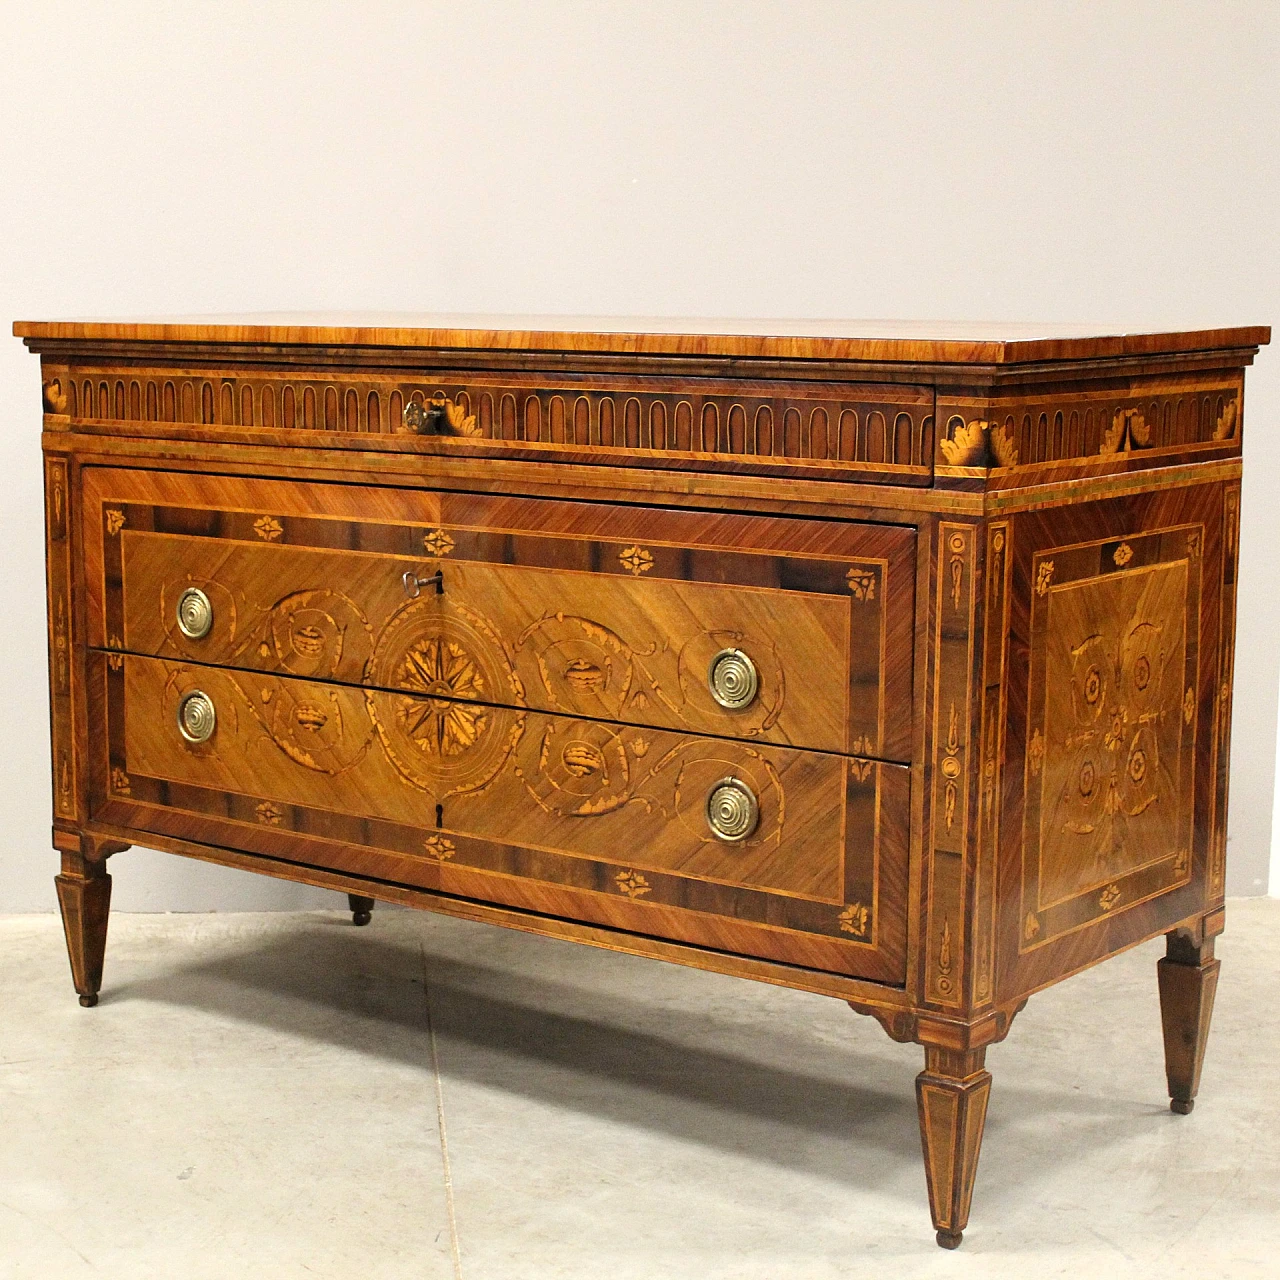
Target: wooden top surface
{"points": [[862, 340]]}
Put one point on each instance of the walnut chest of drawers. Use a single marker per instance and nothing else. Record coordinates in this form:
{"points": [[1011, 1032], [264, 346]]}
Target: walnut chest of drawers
{"points": [[890, 663]]}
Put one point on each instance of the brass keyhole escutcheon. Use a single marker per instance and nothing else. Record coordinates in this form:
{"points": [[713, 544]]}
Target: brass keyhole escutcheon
{"points": [[732, 810], [195, 614], [197, 717], [733, 679]]}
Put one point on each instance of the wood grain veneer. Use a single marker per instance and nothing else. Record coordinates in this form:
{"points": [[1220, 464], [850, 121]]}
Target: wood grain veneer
{"points": [[465, 578]]}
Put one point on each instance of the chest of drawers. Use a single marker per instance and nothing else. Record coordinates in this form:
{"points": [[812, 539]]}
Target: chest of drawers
{"points": [[888, 663]]}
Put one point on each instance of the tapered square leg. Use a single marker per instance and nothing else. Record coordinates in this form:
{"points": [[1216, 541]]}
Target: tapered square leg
{"points": [[1188, 977], [951, 1094], [361, 908], [84, 894]]}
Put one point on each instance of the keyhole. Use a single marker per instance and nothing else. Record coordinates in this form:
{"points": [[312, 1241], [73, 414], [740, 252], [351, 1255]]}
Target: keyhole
{"points": [[439, 815]]}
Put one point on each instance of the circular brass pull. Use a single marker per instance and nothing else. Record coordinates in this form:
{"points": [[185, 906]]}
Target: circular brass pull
{"points": [[197, 718], [195, 614], [732, 679], [732, 811]]}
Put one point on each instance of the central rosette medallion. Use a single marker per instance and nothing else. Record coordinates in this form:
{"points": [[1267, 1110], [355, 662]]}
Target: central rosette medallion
{"points": [[445, 698]]}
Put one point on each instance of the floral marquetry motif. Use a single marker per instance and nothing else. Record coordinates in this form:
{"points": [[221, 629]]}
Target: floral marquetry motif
{"points": [[268, 528], [862, 582], [632, 883], [636, 560], [855, 919], [115, 520], [439, 848], [438, 542]]}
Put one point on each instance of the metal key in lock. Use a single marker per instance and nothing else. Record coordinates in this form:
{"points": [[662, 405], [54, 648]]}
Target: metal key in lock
{"points": [[413, 584]]}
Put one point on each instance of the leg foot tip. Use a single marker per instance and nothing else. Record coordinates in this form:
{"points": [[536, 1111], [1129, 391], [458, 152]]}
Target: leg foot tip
{"points": [[361, 917], [87, 1002], [950, 1239], [1181, 1108]]}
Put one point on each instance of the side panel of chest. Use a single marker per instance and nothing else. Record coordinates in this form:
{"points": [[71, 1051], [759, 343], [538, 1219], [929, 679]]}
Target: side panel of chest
{"points": [[1118, 696]]}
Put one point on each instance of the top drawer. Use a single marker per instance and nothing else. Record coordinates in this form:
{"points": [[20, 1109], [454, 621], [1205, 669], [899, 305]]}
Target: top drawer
{"points": [[874, 433], [615, 613]]}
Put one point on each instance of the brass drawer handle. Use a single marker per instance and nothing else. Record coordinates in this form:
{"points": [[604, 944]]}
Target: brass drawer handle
{"points": [[195, 614], [732, 811], [732, 679], [197, 718]]}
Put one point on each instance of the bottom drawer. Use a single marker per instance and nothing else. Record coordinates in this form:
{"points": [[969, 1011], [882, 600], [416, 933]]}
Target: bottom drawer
{"points": [[575, 818]]}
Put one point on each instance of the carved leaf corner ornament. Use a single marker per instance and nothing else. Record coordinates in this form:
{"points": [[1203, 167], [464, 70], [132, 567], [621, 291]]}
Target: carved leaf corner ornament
{"points": [[1129, 430], [1225, 427], [978, 443], [55, 396]]}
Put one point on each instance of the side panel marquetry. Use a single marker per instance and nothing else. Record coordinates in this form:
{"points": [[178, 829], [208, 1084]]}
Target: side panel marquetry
{"points": [[617, 615], [1114, 694], [448, 786], [1113, 691]]}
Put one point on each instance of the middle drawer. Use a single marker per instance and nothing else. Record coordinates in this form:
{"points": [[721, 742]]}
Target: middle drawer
{"points": [[785, 631]]}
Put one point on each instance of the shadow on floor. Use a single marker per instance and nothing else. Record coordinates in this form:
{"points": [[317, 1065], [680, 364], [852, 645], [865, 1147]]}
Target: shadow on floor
{"points": [[565, 1046]]}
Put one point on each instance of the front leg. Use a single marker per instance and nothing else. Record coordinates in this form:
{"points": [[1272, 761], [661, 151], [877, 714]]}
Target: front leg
{"points": [[84, 894], [1188, 977], [951, 1095]]}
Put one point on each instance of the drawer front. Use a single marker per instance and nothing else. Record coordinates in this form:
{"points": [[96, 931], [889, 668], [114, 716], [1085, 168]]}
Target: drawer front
{"points": [[600, 822], [615, 613], [874, 433]]}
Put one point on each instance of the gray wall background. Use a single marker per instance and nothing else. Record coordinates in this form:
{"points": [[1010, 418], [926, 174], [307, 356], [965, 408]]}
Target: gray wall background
{"points": [[1038, 161]]}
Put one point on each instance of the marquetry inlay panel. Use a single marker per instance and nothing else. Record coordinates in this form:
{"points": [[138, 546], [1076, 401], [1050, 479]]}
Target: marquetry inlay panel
{"points": [[953, 761], [1112, 727]]}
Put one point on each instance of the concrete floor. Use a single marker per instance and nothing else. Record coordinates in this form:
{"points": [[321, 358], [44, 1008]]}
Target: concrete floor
{"points": [[289, 1096]]}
